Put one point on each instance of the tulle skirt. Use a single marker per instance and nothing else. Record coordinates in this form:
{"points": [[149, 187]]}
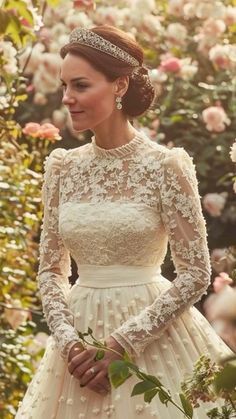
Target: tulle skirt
{"points": [[103, 298]]}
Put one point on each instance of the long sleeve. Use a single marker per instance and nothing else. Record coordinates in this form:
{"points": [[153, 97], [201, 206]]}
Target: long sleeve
{"points": [[182, 217], [54, 260]]}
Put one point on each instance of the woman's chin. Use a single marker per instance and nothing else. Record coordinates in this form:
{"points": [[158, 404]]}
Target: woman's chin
{"points": [[78, 127]]}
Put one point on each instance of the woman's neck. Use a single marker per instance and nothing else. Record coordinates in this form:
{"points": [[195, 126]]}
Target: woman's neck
{"points": [[114, 134]]}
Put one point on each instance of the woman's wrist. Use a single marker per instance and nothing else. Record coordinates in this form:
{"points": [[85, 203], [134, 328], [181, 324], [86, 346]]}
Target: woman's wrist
{"points": [[113, 344]]}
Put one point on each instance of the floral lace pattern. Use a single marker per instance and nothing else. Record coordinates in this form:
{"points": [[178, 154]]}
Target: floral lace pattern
{"points": [[120, 207]]}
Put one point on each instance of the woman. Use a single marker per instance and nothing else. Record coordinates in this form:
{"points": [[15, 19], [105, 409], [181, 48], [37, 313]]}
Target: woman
{"points": [[113, 205]]}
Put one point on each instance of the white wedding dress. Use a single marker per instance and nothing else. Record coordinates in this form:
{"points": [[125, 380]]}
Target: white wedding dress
{"points": [[114, 211]]}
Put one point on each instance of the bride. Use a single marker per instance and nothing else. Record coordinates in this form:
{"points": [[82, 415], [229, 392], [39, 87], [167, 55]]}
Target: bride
{"points": [[113, 205]]}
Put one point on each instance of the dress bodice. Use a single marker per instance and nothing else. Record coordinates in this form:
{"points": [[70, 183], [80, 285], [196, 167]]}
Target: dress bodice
{"points": [[121, 206], [110, 206]]}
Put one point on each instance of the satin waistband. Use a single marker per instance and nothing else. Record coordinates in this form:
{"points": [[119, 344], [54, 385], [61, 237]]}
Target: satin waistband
{"points": [[96, 276]]}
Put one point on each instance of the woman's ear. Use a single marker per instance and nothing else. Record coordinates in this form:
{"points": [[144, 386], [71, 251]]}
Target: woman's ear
{"points": [[121, 85]]}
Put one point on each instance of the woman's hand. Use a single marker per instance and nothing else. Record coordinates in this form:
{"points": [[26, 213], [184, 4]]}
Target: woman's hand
{"points": [[94, 374]]}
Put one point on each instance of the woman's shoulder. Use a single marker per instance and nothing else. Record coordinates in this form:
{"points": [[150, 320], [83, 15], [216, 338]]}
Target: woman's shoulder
{"points": [[166, 154], [55, 159]]}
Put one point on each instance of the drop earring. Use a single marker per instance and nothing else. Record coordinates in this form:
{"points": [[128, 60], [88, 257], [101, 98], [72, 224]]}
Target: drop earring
{"points": [[118, 102]]}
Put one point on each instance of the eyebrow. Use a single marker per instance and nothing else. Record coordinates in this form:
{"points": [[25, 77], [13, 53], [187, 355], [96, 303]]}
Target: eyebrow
{"points": [[77, 79]]}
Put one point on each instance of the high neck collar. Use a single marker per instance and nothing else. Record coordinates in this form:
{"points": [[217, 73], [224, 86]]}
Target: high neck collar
{"points": [[121, 151]]}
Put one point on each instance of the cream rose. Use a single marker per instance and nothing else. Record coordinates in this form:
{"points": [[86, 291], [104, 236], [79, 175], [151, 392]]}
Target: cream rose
{"points": [[214, 203], [215, 118]]}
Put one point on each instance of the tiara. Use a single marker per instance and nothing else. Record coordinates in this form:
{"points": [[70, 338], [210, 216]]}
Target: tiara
{"points": [[91, 39]]}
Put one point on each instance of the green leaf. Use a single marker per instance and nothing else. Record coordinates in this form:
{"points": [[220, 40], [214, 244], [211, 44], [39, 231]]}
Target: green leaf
{"points": [[164, 396], [99, 355], [148, 395], [226, 379], [21, 7], [142, 387], [118, 373], [13, 29], [90, 332], [186, 405], [154, 380]]}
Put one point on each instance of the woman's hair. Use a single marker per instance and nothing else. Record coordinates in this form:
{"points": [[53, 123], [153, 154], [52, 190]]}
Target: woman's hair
{"points": [[140, 93]]}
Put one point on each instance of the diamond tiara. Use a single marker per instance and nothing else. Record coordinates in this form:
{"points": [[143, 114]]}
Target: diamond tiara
{"points": [[91, 39]]}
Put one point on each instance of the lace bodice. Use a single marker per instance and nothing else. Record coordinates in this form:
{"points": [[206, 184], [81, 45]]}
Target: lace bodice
{"points": [[120, 207]]}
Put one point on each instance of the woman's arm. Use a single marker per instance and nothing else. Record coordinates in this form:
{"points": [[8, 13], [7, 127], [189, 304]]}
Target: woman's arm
{"points": [[185, 226], [54, 266]]}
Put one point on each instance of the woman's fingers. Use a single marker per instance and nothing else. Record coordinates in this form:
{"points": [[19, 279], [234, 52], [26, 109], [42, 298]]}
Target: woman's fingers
{"points": [[87, 369], [100, 383], [79, 359], [89, 374]]}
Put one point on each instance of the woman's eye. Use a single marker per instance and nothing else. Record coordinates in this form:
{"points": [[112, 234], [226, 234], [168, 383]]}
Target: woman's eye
{"points": [[80, 86], [77, 86]]}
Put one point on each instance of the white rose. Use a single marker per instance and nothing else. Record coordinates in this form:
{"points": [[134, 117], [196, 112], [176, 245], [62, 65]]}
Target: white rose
{"points": [[214, 203], [40, 99], [45, 82], [153, 25], [35, 58], [74, 20], [175, 7], [219, 259], [9, 57], [188, 69], [214, 9], [230, 15], [215, 118], [214, 27], [176, 33], [59, 118], [234, 186], [233, 152], [204, 43], [221, 56], [157, 76], [189, 10]]}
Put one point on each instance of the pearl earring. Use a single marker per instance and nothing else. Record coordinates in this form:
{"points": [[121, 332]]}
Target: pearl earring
{"points": [[118, 102]]}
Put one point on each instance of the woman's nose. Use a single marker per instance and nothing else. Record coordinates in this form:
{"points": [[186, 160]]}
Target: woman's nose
{"points": [[67, 98]]}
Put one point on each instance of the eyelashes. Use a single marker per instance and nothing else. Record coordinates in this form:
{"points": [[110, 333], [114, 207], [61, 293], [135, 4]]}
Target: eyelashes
{"points": [[77, 86]]}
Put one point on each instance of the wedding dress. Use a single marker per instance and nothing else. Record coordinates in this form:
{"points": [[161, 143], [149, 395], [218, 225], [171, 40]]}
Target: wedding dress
{"points": [[114, 212]]}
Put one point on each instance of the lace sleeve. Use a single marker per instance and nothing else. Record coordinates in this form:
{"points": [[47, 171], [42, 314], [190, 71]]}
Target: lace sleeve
{"points": [[54, 260], [185, 226]]}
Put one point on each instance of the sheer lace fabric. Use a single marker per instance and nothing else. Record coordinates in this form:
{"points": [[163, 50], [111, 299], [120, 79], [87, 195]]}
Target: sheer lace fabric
{"points": [[120, 207]]}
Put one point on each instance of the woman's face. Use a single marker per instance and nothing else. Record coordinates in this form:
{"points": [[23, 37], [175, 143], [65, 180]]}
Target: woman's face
{"points": [[89, 97]]}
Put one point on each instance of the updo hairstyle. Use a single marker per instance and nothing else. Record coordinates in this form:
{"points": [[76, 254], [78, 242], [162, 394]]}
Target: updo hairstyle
{"points": [[140, 94]]}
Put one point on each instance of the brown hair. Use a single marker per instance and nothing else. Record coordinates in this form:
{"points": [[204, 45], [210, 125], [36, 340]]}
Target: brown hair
{"points": [[140, 93]]}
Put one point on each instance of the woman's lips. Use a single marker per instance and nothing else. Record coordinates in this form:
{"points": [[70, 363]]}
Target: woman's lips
{"points": [[75, 112]]}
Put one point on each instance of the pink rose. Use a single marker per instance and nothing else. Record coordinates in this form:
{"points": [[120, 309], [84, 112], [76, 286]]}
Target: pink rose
{"points": [[32, 129], [221, 281], [45, 131], [48, 131], [171, 65], [214, 203], [215, 118]]}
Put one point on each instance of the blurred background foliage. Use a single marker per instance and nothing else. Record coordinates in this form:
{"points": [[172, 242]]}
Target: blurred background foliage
{"points": [[190, 50]]}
